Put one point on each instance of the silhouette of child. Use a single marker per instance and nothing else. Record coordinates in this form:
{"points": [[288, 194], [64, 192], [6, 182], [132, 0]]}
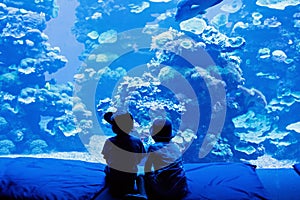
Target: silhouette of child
{"points": [[164, 174], [122, 153]]}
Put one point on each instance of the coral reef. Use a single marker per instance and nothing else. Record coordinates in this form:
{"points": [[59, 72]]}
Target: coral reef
{"points": [[155, 71], [275, 4], [36, 115], [232, 7], [48, 8], [258, 73], [276, 88], [194, 25]]}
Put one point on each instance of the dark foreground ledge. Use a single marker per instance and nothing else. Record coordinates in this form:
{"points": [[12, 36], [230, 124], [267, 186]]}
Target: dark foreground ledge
{"points": [[45, 178]]}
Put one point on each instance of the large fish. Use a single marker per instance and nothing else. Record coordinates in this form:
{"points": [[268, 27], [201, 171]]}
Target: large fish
{"points": [[187, 9]]}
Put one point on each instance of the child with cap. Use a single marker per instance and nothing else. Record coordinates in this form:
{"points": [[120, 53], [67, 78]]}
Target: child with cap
{"points": [[164, 174], [122, 153]]}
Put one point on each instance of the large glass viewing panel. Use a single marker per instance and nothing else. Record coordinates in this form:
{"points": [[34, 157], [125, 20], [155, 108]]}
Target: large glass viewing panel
{"points": [[227, 76]]}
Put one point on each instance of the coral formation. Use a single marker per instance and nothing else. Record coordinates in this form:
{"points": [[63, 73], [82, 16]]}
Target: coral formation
{"points": [[276, 4], [294, 127], [194, 25], [258, 72], [48, 8], [6, 147], [233, 6], [33, 111], [219, 20]]}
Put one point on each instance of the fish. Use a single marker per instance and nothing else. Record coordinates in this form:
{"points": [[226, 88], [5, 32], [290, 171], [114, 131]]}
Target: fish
{"points": [[187, 9]]}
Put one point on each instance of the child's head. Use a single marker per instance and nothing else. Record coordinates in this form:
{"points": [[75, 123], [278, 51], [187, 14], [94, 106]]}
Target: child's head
{"points": [[121, 122], [161, 130]]}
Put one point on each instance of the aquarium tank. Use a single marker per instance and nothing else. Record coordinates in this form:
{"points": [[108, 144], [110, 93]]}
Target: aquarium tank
{"points": [[228, 78]]}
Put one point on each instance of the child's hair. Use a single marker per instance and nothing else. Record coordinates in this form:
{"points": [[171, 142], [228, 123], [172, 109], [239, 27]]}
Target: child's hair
{"points": [[121, 122], [161, 130]]}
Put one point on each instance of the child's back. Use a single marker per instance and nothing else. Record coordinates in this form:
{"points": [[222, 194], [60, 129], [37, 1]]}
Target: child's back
{"points": [[164, 173], [122, 153]]}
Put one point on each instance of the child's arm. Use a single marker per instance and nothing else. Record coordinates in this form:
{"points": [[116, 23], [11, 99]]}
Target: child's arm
{"points": [[106, 150]]}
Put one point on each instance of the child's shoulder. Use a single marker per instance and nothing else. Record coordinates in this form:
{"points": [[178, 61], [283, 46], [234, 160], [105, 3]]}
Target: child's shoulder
{"points": [[156, 146], [134, 138], [111, 138], [168, 146]]}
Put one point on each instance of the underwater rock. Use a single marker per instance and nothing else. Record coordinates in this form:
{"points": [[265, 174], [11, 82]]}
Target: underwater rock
{"points": [[241, 100], [25, 34], [212, 81], [67, 125], [109, 36], [241, 25], [294, 127], [85, 125], [6, 147], [247, 149], [49, 102], [27, 71], [194, 25], [220, 41], [297, 23], [21, 23], [27, 96], [219, 20], [279, 5], [93, 35], [140, 95], [282, 103], [267, 161], [252, 127], [280, 143], [38, 146], [172, 41], [79, 78], [234, 43], [233, 6], [80, 110], [269, 76], [43, 123], [96, 15], [183, 138], [188, 135], [49, 8], [296, 18], [167, 74], [222, 149], [139, 8], [277, 135], [101, 58], [8, 110], [241, 50], [253, 98], [279, 56], [25, 58], [231, 71], [17, 135], [256, 18], [264, 53], [272, 22]]}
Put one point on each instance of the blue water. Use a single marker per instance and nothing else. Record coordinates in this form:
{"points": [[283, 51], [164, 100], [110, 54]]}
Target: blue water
{"points": [[65, 40], [231, 90]]}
